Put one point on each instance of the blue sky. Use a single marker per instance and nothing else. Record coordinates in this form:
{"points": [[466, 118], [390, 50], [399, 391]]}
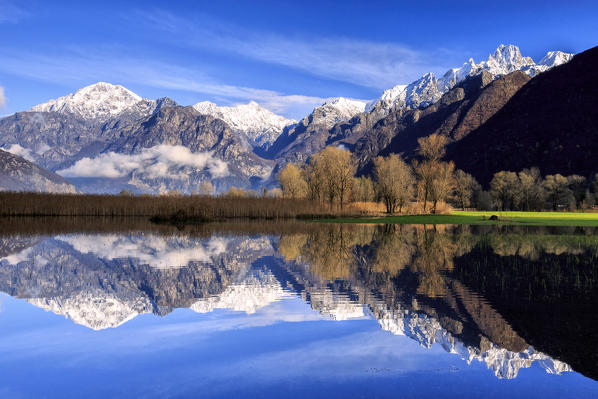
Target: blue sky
{"points": [[289, 56]]}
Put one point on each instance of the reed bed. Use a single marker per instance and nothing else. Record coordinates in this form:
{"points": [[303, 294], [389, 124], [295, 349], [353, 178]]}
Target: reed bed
{"points": [[191, 207]]}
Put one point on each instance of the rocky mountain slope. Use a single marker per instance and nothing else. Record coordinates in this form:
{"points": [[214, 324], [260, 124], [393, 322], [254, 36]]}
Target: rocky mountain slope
{"points": [[310, 135], [428, 89], [550, 123], [175, 149], [18, 174]]}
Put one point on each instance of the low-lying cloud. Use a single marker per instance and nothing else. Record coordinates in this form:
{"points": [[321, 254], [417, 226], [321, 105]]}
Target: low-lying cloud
{"points": [[162, 161], [16, 149]]}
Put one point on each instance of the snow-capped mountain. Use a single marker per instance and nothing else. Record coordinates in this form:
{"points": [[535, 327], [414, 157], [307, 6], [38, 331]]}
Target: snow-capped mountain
{"points": [[428, 89], [99, 101], [427, 331], [80, 133], [259, 125], [552, 59], [336, 110], [255, 291]]}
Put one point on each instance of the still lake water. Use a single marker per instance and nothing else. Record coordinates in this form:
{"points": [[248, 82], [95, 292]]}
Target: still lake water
{"points": [[102, 310]]}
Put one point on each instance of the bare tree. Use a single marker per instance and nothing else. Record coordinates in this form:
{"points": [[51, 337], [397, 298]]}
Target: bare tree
{"points": [[505, 189], [363, 189], [337, 168], [435, 176], [426, 171], [314, 176], [443, 183], [531, 191], [465, 186], [292, 182], [558, 192], [433, 147], [395, 180], [578, 185]]}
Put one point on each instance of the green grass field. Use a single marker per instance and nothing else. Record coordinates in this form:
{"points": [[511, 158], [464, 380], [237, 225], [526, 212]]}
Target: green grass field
{"points": [[482, 218]]}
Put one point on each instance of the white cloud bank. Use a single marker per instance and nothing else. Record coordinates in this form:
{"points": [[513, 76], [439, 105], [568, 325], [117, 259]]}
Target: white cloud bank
{"points": [[154, 162], [152, 250]]}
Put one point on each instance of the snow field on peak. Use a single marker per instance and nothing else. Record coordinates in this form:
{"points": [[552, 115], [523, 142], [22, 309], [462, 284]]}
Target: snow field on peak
{"points": [[258, 123], [98, 101], [428, 89]]}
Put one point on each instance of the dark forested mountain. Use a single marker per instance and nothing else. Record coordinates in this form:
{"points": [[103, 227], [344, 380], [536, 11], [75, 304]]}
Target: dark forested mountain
{"points": [[551, 123], [455, 115], [18, 174]]}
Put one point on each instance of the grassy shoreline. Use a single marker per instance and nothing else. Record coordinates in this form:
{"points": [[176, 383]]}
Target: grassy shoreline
{"points": [[509, 218]]}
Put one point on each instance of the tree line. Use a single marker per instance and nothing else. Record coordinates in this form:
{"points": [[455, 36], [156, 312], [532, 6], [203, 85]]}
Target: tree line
{"points": [[330, 177]]}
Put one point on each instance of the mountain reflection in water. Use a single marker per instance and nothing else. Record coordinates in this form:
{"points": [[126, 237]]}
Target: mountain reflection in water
{"points": [[507, 297]]}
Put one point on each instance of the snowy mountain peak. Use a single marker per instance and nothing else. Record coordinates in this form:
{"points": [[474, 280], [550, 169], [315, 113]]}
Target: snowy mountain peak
{"points": [[506, 59], [258, 124], [427, 90], [336, 110], [555, 58], [393, 93], [206, 108], [422, 92], [454, 75], [99, 101]]}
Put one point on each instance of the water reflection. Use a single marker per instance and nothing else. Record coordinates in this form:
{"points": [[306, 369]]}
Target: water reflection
{"points": [[505, 297]]}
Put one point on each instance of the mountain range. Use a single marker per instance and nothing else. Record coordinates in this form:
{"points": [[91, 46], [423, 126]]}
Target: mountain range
{"points": [[104, 138]]}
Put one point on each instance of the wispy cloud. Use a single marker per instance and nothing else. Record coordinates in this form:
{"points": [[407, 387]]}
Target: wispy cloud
{"points": [[367, 64], [377, 65], [119, 65]]}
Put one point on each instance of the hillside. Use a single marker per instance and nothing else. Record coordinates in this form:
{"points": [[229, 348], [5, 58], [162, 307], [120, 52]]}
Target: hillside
{"points": [[18, 174], [551, 123]]}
